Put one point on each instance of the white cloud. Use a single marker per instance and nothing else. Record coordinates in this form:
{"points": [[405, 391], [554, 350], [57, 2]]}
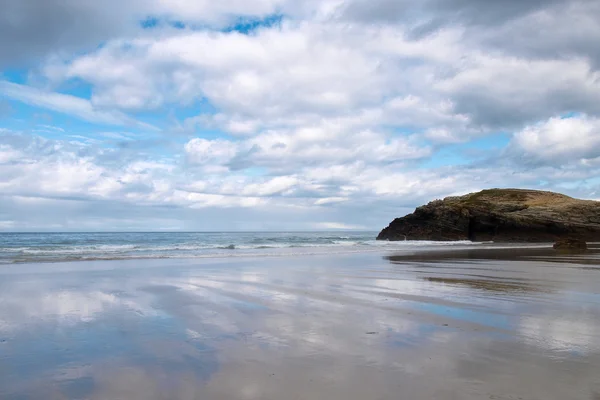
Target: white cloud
{"points": [[354, 185], [66, 104], [330, 200], [501, 91], [326, 144], [8, 154], [7, 224], [559, 140], [315, 69], [39, 28], [298, 67], [346, 111], [271, 187], [204, 200], [337, 225], [203, 151]]}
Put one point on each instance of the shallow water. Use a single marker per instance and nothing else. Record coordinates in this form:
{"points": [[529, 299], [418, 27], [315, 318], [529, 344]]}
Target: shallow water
{"points": [[505, 324], [57, 247]]}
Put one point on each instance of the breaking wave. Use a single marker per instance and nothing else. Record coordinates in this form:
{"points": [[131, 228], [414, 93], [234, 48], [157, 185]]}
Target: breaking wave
{"points": [[56, 247]]}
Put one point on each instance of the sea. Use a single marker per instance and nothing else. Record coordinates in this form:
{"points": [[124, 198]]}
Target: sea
{"points": [[59, 247]]}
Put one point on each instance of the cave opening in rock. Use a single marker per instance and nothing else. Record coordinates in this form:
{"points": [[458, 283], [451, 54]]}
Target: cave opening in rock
{"points": [[471, 229]]}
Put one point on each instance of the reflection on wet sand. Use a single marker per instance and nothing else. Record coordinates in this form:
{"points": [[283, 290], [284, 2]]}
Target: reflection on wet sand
{"points": [[590, 256], [491, 285], [454, 325]]}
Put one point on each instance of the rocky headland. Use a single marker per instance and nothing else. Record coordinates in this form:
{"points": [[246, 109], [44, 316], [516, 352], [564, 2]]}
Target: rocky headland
{"points": [[501, 215]]}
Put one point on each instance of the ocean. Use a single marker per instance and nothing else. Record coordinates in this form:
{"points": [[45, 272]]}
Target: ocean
{"points": [[57, 247]]}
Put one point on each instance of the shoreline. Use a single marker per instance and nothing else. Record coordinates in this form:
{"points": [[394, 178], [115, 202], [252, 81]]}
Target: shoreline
{"points": [[420, 247]]}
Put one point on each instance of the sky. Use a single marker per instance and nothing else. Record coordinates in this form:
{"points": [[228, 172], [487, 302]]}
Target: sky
{"points": [[197, 115]]}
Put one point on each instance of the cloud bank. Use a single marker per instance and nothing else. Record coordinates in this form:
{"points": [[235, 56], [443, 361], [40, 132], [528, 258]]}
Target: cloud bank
{"points": [[273, 114]]}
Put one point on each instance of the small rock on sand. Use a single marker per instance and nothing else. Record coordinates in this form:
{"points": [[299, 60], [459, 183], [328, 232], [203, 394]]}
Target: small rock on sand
{"points": [[570, 244]]}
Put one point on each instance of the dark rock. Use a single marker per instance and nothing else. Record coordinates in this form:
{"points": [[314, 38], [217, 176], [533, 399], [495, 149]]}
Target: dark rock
{"points": [[570, 244], [504, 215]]}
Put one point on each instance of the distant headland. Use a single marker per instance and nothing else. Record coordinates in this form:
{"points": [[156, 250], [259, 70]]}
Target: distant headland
{"points": [[501, 215]]}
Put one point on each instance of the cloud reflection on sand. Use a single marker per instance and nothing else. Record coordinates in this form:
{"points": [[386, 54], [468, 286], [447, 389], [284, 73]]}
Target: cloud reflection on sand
{"points": [[337, 327]]}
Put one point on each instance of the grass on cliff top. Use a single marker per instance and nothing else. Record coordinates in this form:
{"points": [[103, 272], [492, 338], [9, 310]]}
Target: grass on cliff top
{"points": [[528, 198]]}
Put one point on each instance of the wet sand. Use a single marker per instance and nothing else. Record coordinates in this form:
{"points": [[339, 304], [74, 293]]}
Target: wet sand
{"points": [[464, 324]]}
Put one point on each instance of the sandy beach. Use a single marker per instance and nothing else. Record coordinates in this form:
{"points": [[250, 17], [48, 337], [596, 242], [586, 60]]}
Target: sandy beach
{"points": [[452, 324]]}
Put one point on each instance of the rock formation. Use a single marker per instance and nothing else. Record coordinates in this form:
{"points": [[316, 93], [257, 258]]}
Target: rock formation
{"points": [[502, 215], [570, 244]]}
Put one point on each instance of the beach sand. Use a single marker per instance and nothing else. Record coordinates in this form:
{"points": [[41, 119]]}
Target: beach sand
{"points": [[462, 324]]}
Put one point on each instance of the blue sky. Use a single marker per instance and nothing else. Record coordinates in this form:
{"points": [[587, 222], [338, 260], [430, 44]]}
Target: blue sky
{"points": [[288, 115]]}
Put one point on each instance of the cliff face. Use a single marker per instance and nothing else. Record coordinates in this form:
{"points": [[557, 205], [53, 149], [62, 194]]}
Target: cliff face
{"points": [[502, 215]]}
